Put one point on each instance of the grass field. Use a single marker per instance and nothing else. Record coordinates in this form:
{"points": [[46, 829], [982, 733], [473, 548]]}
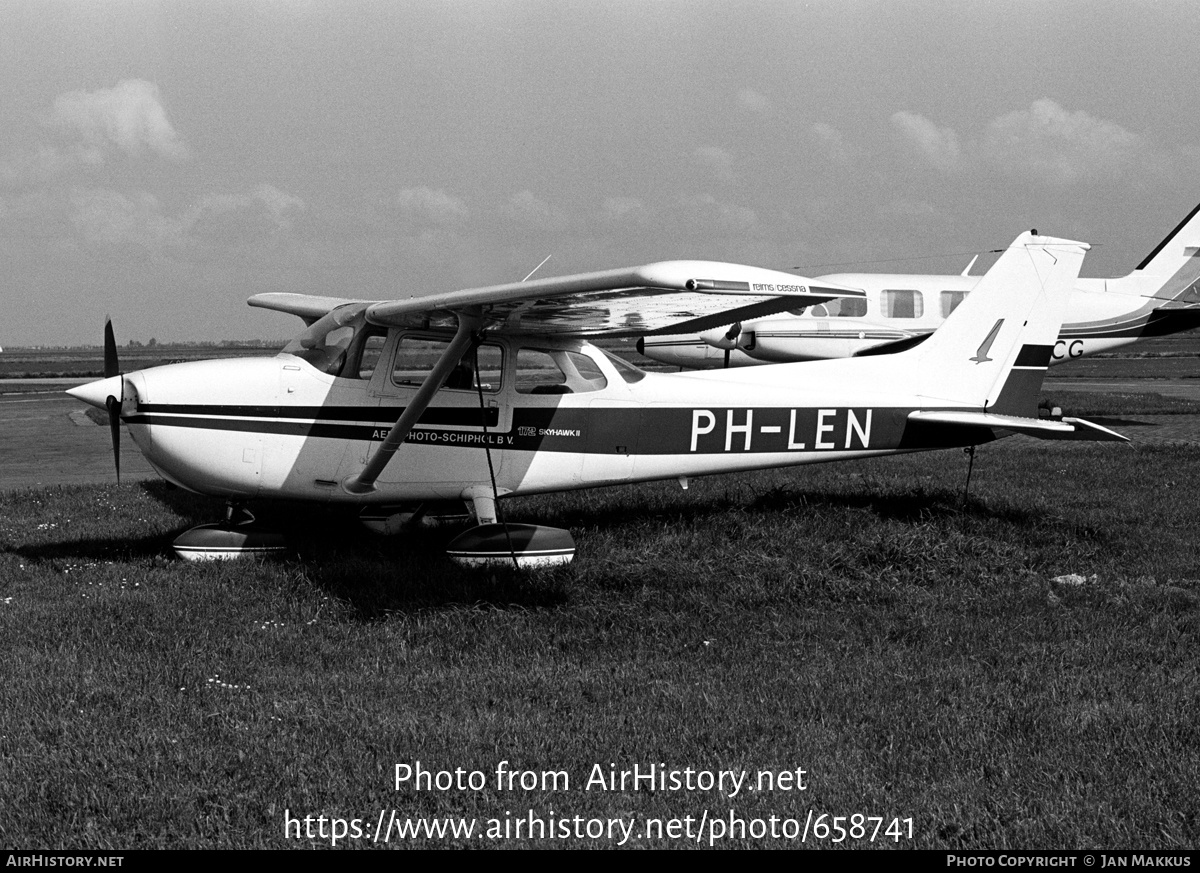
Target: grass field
{"points": [[911, 653]]}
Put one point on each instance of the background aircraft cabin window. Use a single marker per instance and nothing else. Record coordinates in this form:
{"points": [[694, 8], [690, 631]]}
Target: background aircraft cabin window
{"points": [[950, 301], [416, 356], [902, 304], [553, 371], [847, 307], [850, 307]]}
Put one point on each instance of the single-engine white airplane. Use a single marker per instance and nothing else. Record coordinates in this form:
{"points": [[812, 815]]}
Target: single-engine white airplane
{"points": [[482, 394], [1160, 297]]}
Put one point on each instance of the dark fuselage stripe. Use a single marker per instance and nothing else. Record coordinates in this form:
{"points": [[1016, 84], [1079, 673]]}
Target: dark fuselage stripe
{"points": [[375, 415], [624, 431]]}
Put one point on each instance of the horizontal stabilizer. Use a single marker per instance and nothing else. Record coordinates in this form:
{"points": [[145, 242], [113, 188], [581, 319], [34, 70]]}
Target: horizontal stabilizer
{"points": [[893, 346], [1042, 428], [1089, 430]]}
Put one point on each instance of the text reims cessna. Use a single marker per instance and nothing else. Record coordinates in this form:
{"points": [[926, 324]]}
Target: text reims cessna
{"points": [[1161, 296], [481, 394]]}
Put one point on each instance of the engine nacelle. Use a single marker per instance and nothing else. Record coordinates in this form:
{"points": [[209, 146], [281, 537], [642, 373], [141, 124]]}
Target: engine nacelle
{"points": [[724, 337], [691, 353]]}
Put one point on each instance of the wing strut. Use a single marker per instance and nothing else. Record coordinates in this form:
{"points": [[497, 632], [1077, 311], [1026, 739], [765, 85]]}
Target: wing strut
{"points": [[364, 482]]}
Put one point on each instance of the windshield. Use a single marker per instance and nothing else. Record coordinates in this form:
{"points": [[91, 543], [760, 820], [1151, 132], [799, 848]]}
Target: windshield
{"points": [[325, 342]]}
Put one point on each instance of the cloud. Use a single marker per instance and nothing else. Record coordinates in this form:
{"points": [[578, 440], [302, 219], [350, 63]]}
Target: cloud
{"points": [[624, 210], [239, 218], [1046, 143], [752, 101], [109, 218], [831, 142], [1061, 147], [429, 206], [706, 214], [902, 208], [89, 127], [36, 166], [716, 160], [129, 116], [529, 209], [939, 145]]}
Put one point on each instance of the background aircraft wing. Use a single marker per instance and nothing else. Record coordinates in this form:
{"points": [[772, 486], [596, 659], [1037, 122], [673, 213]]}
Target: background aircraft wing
{"points": [[670, 296]]}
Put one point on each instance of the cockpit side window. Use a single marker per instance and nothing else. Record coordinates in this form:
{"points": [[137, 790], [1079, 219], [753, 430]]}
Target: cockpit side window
{"points": [[365, 356], [417, 355]]}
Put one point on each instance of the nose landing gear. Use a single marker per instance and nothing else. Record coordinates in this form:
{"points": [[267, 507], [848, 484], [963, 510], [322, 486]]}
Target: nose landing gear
{"points": [[238, 536]]}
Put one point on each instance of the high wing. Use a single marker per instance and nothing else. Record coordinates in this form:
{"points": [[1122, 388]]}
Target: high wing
{"points": [[669, 296], [307, 306]]}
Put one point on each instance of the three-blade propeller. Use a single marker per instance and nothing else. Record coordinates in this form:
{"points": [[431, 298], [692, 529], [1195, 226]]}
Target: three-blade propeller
{"points": [[112, 368]]}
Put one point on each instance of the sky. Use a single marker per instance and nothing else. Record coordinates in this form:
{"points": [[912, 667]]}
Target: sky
{"points": [[160, 162]]}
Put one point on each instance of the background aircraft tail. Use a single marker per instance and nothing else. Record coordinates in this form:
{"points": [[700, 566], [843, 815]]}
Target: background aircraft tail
{"points": [[1177, 248], [1171, 272], [993, 350]]}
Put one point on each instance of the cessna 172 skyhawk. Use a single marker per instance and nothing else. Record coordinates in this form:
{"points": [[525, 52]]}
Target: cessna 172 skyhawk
{"points": [[481, 394], [1161, 296]]}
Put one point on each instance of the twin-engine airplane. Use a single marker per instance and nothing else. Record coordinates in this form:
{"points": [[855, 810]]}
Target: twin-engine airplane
{"points": [[482, 394], [1160, 297]]}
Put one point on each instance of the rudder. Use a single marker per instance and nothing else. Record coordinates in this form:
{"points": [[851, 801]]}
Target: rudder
{"points": [[993, 350]]}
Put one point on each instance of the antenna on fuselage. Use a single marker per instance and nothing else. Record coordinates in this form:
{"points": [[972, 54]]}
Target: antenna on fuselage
{"points": [[538, 267]]}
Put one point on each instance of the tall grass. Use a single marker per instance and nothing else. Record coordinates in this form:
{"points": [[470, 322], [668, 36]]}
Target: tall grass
{"points": [[906, 648]]}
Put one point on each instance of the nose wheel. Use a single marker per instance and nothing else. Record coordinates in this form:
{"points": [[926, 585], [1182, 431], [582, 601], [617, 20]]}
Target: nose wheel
{"points": [[238, 536]]}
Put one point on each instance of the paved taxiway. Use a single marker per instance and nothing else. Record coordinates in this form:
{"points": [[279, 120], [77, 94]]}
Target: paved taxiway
{"points": [[1187, 389], [46, 439]]}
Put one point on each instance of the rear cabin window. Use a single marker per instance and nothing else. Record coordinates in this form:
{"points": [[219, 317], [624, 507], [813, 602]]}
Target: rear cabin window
{"points": [[902, 304], [479, 368], [627, 371], [553, 371]]}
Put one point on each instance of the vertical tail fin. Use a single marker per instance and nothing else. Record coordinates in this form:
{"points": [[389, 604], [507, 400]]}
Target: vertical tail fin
{"points": [[1171, 272], [993, 350], [1170, 254]]}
